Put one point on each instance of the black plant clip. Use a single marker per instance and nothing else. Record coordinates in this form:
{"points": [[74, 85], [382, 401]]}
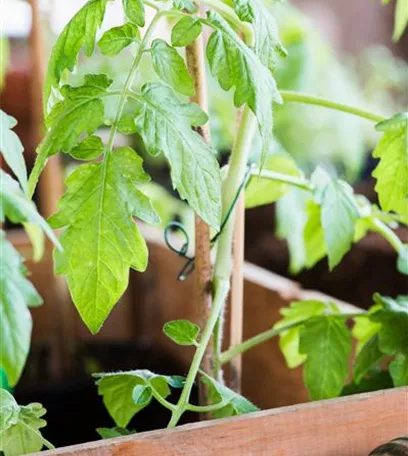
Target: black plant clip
{"points": [[189, 265]]}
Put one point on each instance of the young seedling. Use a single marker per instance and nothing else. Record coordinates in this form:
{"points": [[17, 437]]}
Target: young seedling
{"points": [[101, 240]]}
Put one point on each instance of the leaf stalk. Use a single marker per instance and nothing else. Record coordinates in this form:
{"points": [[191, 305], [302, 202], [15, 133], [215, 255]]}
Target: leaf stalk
{"points": [[291, 96]]}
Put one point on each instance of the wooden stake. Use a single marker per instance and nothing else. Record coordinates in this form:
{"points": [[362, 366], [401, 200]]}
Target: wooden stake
{"points": [[196, 65], [49, 193], [237, 293]]}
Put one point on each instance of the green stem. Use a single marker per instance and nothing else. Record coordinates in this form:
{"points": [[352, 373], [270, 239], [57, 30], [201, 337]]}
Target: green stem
{"points": [[153, 5], [221, 292], [229, 14], [243, 347], [162, 401], [129, 79], [284, 178], [387, 233], [207, 408], [236, 173], [299, 97], [238, 349]]}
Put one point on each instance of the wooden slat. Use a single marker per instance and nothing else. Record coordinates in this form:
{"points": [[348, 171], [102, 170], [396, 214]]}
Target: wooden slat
{"points": [[351, 426]]}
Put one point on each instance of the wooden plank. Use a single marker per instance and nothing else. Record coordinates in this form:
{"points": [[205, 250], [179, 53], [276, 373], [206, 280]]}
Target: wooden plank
{"points": [[350, 426]]}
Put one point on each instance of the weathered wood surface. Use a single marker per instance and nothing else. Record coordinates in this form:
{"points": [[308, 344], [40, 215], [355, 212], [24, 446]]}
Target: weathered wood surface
{"points": [[351, 426]]}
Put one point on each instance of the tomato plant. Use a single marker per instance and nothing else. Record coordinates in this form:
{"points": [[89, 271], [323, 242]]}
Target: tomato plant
{"points": [[319, 215]]}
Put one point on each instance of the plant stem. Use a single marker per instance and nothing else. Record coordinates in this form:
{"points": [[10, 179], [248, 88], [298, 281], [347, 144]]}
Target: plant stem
{"points": [[239, 349], [195, 57], [221, 292], [284, 178], [387, 233], [129, 79], [229, 14], [299, 97], [236, 172], [207, 408], [236, 350], [162, 401]]}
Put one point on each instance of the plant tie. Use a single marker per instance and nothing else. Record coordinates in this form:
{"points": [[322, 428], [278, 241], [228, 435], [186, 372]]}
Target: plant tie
{"points": [[189, 265]]}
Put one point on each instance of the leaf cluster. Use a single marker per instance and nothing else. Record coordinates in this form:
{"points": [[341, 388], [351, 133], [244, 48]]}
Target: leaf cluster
{"points": [[20, 426]]}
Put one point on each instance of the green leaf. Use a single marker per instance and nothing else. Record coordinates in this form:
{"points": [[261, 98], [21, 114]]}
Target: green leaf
{"points": [[297, 312], [81, 112], [170, 66], [182, 332], [79, 32], [393, 335], [399, 370], [110, 433], [142, 395], [186, 30], [367, 357], [135, 12], [118, 394], [12, 149], [313, 235], [235, 403], [339, 214], [185, 5], [402, 262], [126, 125], [90, 148], [16, 206], [16, 293], [262, 191], [291, 219], [117, 38], [375, 380], [236, 66], [97, 210], [20, 426], [392, 171], [267, 44], [165, 126], [364, 328], [401, 19], [160, 384], [327, 343]]}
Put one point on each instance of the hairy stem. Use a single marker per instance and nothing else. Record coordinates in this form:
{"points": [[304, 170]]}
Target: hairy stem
{"points": [[281, 177], [229, 14], [130, 78], [243, 347], [236, 173], [299, 97], [162, 401], [221, 288], [387, 233]]}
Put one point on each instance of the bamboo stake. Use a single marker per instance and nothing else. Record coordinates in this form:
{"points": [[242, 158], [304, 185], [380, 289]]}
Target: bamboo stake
{"points": [[237, 293], [49, 192], [196, 64]]}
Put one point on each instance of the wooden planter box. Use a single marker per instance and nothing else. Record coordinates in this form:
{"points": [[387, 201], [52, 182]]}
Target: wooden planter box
{"points": [[350, 426]]}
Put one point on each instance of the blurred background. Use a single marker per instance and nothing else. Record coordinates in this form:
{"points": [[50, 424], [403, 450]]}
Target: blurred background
{"points": [[341, 50]]}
